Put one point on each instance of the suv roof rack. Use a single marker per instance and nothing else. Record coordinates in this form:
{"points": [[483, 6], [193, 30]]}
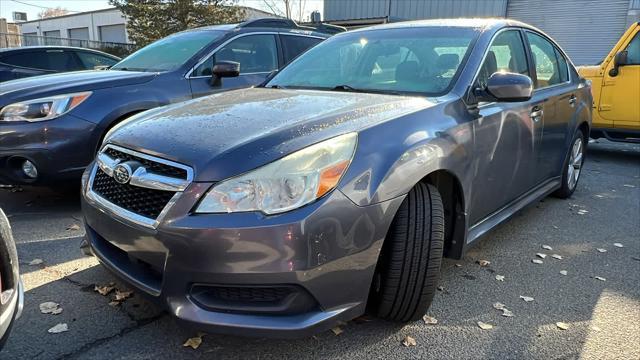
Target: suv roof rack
{"points": [[290, 24]]}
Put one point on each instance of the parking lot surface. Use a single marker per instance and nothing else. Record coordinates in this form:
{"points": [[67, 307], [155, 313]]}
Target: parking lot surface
{"points": [[598, 299]]}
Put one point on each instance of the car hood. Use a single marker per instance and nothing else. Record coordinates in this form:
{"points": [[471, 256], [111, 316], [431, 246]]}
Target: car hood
{"points": [[70, 82], [233, 132]]}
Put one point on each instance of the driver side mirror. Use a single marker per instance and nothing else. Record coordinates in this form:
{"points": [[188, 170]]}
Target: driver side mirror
{"points": [[619, 60], [223, 69], [506, 87]]}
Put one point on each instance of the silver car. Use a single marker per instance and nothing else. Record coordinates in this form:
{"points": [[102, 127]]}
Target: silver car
{"points": [[338, 186]]}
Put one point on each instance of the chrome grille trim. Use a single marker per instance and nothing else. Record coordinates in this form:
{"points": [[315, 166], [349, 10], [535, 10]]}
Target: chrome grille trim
{"points": [[140, 178]]}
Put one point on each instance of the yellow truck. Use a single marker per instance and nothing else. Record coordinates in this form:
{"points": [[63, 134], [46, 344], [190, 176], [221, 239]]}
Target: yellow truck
{"points": [[616, 90]]}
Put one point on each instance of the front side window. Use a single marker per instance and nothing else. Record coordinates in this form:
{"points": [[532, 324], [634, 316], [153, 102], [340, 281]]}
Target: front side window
{"points": [[506, 54], [633, 51], [169, 53], [548, 70], [255, 53], [405, 60]]}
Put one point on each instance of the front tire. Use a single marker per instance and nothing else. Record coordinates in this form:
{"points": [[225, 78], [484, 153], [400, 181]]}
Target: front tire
{"points": [[409, 266], [572, 167]]}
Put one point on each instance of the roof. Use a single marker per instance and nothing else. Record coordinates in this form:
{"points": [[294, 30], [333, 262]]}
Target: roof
{"points": [[53, 47], [67, 15], [459, 22]]}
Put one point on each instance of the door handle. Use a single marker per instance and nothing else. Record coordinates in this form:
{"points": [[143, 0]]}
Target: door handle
{"points": [[572, 100], [536, 113]]}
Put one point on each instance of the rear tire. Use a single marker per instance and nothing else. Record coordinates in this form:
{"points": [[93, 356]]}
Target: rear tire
{"points": [[572, 166], [409, 266]]}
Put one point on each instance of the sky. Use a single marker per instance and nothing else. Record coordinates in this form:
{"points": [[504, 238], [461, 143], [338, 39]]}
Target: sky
{"points": [[33, 7]]}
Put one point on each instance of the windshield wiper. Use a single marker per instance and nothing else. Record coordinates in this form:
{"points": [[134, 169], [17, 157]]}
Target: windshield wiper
{"points": [[345, 88], [276, 87]]}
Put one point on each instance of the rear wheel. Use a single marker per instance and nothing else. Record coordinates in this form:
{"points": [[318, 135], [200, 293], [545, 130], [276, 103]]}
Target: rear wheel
{"points": [[572, 166], [409, 267]]}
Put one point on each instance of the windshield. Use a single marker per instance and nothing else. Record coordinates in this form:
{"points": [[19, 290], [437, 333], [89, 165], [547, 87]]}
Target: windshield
{"points": [[422, 60], [168, 53]]}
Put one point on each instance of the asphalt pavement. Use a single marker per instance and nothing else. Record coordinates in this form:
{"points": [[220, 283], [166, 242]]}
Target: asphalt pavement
{"points": [[598, 299]]}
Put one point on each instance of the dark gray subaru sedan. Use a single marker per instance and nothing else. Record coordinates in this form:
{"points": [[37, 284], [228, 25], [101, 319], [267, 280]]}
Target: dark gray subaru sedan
{"points": [[339, 185]]}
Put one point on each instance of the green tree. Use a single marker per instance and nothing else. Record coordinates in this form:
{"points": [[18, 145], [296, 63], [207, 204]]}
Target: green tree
{"points": [[150, 20]]}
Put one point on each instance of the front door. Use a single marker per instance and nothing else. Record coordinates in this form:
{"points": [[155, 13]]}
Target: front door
{"points": [[619, 99], [257, 55], [504, 134]]}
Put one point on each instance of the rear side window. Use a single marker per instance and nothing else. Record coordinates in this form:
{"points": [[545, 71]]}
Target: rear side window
{"points": [[296, 45], [91, 60], [29, 59], [506, 54], [562, 66], [548, 68], [255, 53], [55, 60]]}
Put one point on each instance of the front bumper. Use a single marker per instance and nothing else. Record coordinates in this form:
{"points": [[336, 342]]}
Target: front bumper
{"points": [[60, 148], [325, 253]]}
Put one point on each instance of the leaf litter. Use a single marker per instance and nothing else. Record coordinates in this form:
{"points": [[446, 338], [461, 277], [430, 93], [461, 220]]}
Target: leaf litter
{"points": [[505, 312], [50, 307], [73, 227], [547, 247], [556, 256], [618, 245], [59, 328], [194, 342], [536, 261], [337, 330], [484, 326], [526, 298], [541, 255], [429, 320], [601, 250], [562, 325], [500, 277], [409, 341], [484, 263], [104, 290], [36, 262], [563, 272]]}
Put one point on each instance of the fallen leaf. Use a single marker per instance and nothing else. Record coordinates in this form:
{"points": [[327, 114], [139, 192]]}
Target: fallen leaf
{"points": [[507, 313], [526, 298], [484, 326], [50, 307], [562, 326], [409, 341], [73, 227], [599, 278], [36, 262], [563, 272], [440, 288], [337, 330], [582, 212], [104, 290], [194, 342], [458, 265], [500, 277], [556, 256], [58, 329], [484, 262], [429, 320], [537, 261], [114, 303], [629, 185], [601, 250], [618, 245], [555, 227], [541, 255], [122, 295], [547, 247], [499, 306]]}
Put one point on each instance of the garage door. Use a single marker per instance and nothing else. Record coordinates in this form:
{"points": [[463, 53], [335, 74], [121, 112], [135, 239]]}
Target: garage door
{"points": [[586, 29], [79, 33], [113, 33]]}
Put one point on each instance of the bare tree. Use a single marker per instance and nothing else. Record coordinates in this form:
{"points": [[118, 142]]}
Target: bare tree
{"points": [[52, 12], [285, 8]]}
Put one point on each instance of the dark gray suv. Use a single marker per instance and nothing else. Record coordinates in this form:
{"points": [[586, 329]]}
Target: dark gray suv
{"points": [[340, 184]]}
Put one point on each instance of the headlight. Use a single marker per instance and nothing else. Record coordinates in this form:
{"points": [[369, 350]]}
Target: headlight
{"points": [[42, 109], [286, 184]]}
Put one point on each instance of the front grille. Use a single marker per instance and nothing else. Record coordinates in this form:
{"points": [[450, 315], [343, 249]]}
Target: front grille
{"points": [[249, 294], [151, 166], [146, 202]]}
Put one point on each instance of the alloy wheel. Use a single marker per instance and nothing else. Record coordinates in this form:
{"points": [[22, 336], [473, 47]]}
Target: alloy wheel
{"points": [[575, 163]]}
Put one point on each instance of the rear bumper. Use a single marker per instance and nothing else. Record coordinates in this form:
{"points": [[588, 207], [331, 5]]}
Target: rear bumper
{"points": [[60, 148], [324, 253]]}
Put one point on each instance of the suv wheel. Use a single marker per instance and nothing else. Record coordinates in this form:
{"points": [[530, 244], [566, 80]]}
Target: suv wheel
{"points": [[572, 166], [409, 266]]}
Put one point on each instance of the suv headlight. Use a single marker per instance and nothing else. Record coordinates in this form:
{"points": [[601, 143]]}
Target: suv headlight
{"points": [[42, 109], [285, 184]]}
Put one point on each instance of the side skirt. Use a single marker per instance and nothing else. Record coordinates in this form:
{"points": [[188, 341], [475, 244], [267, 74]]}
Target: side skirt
{"points": [[483, 226]]}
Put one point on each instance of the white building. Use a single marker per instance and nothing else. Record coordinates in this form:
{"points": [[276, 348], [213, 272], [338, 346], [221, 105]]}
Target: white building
{"points": [[108, 25]]}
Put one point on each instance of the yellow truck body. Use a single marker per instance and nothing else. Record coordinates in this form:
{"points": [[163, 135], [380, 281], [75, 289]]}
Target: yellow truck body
{"points": [[615, 85]]}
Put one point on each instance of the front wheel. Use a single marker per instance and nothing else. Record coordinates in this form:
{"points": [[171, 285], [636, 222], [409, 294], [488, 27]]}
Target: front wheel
{"points": [[409, 266], [572, 166]]}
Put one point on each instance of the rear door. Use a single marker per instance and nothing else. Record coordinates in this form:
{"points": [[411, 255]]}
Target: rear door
{"points": [[294, 45], [257, 55], [554, 100], [505, 135]]}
